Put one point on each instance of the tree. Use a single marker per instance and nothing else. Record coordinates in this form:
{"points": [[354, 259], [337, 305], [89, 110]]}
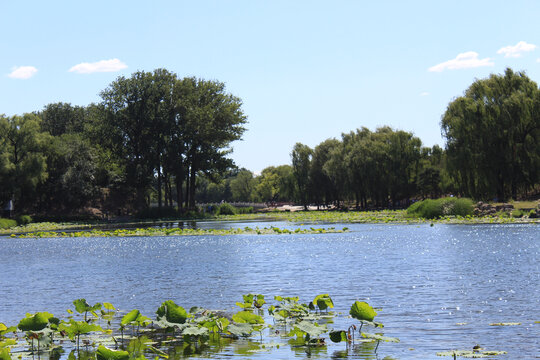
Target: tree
{"points": [[22, 162], [138, 113], [208, 119], [243, 186], [493, 136], [61, 118], [301, 163]]}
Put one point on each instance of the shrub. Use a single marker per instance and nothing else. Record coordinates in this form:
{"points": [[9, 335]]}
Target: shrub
{"points": [[518, 213], [23, 219], [7, 223], [244, 210], [532, 214], [226, 209], [432, 209]]}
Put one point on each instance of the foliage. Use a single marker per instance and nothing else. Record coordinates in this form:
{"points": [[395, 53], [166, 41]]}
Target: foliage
{"points": [[225, 209], [493, 136], [362, 311], [7, 223], [23, 219], [432, 209]]}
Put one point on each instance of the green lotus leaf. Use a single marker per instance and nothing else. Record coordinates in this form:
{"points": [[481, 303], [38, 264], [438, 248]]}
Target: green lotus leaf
{"points": [[5, 354], [109, 306], [171, 312], [379, 337], [247, 317], [81, 305], [241, 329], [4, 329], [362, 311], [216, 325], [104, 353], [8, 342], [323, 301], [36, 322], [259, 301], [130, 317], [313, 329], [193, 330], [338, 336], [77, 328]]}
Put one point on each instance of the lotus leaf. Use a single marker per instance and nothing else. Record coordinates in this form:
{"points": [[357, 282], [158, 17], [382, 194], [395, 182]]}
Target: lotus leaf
{"points": [[81, 305], [323, 301], [36, 322], [76, 328], [362, 311], [104, 353], [259, 301], [109, 306], [242, 329], [379, 337], [246, 317], [134, 317], [196, 331], [338, 336], [8, 342], [5, 354], [313, 329], [5, 330], [171, 312]]}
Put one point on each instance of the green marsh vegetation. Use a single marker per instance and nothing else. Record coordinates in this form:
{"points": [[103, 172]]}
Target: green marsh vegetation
{"points": [[102, 332]]}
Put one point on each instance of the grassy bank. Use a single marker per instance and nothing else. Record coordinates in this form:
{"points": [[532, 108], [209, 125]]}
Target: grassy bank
{"points": [[299, 217]]}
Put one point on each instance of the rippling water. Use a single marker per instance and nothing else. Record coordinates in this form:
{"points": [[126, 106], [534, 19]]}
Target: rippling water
{"points": [[439, 286]]}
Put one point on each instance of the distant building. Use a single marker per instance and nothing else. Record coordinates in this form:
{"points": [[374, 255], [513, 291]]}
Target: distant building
{"points": [[8, 209]]}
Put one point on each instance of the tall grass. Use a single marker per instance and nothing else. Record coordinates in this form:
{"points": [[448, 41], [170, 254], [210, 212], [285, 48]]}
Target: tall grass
{"points": [[436, 208]]}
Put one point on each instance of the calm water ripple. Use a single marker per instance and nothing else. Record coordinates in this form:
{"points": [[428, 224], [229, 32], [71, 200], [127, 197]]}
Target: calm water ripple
{"points": [[439, 287]]}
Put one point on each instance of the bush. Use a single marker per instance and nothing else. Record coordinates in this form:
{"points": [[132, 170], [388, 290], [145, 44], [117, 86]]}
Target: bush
{"points": [[244, 210], [532, 214], [432, 209], [226, 209], [7, 223], [23, 219]]}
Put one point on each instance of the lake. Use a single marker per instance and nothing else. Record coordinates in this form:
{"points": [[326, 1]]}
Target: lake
{"points": [[438, 287]]}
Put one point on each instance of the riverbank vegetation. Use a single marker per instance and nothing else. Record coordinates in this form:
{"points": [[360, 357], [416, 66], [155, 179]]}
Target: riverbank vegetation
{"points": [[156, 141]]}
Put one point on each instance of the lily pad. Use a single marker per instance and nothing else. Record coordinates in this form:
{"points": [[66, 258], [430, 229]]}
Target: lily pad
{"points": [[104, 353], [362, 311], [171, 312]]}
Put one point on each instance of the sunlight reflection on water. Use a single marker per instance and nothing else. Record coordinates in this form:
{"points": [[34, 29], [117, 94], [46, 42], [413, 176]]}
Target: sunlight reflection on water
{"points": [[425, 279]]}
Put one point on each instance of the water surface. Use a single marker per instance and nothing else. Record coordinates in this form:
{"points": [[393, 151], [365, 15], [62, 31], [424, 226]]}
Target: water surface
{"points": [[439, 286]]}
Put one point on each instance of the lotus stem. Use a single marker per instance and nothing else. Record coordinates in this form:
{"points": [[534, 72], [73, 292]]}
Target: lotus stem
{"points": [[376, 347]]}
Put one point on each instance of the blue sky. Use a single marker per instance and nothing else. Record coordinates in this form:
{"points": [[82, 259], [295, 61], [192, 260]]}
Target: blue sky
{"points": [[305, 70]]}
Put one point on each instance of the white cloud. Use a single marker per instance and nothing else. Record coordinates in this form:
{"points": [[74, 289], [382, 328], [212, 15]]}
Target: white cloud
{"points": [[22, 72], [516, 50], [425, 93], [464, 60], [111, 65]]}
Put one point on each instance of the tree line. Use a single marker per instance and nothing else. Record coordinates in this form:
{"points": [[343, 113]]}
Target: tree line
{"points": [[156, 138], [150, 138]]}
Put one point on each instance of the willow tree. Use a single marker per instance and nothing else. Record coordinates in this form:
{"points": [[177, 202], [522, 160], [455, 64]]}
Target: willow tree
{"points": [[22, 161], [493, 136]]}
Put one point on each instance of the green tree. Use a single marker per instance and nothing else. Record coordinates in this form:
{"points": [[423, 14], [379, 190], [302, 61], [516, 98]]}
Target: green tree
{"points": [[301, 164], [493, 136], [243, 186], [22, 162]]}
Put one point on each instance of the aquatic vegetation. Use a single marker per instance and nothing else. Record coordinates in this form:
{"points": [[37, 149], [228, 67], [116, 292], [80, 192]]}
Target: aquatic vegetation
{"points": [[174, 232], [192, 332]]}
